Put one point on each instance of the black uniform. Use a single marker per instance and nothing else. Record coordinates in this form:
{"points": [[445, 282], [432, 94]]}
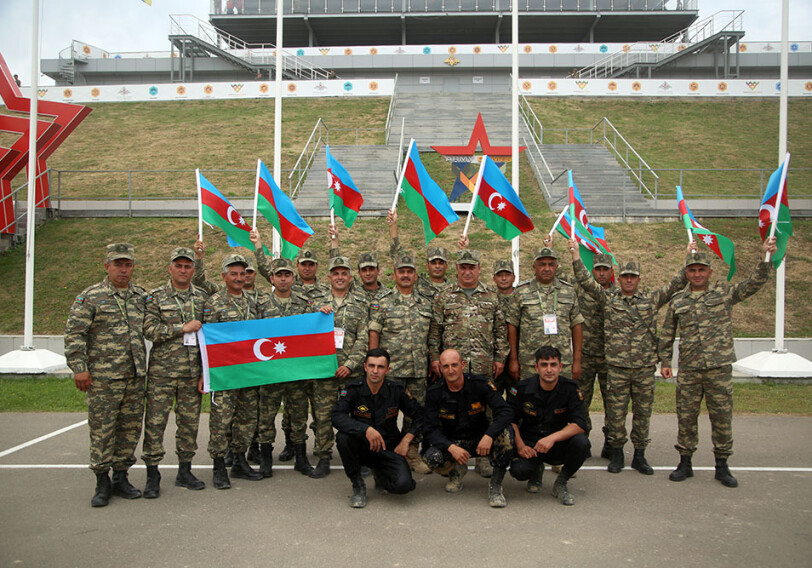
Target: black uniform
{"points": [[358, 409], [539, 413], [460, 418]]}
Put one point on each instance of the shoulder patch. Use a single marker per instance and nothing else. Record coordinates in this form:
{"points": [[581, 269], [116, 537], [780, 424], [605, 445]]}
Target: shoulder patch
{"points": [[408, 393], [490, 384], [374, 306], [343, 392], [148, 298], [80, 299], [513, 391], [580, 394]]}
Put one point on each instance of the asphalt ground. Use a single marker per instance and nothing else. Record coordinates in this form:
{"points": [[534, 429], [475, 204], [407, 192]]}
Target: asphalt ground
{"points": [[624, 519]]}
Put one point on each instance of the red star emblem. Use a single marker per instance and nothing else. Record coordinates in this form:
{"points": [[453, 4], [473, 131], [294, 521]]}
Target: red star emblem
{"points": [[50, 134], [478, 136]]}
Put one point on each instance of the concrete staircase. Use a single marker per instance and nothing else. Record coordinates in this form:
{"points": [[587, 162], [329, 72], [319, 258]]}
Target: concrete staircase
{"points": [[372, 169]]}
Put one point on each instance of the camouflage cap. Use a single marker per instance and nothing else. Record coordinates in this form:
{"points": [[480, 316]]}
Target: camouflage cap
{"points": [[182, 252], [282, 264], [546, 252], [468, 256], [339, 262], [405, 260], [367, 259], [697, 258], [434, 253], [120, 250], [630, 267], [602, 259], [307, 255], [502, 266], [233, 259]]}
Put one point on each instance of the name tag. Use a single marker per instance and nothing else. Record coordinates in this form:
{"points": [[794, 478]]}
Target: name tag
{"points": [[339, 336], [190, 338], [550, 324]]}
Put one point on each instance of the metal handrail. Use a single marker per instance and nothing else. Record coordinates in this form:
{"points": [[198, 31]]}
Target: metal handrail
{"points": [[308, 154], [533, 146], [391, 112], [641, 162], [533, 124], [14, 193]]}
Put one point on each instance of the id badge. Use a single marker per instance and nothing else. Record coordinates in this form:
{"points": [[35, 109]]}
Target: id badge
{"points": [[190, 338], [550, 324], [339, 335]]}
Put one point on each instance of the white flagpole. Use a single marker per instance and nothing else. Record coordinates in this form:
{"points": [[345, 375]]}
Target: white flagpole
{"points": [[779, 196], [514, 164], [781, 272], [558, 220], [256, 196], [199, 206], [476, 192], [277, 117], [402, 173]]}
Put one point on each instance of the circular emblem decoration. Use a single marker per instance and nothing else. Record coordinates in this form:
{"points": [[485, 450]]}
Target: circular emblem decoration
{"points": [[426, 50], [348, 51], [452, 50], [808, 86], [778, 86], [208, 89], [636, 86], [291, 87], [612, 86], [528, 49], [348, 86], [117, 56], [604, 48], [263, 88], [743, 47], [153, 90], [373, 51], [552, 85], [104, 56], [693, 86], [300, 52], [626, 48], [553, 49], [477, 49], [722, 86], [373, 86], [681, 46], [527, 85], [94, 92], [86, 50], [794, 47], [67, 93], [181, 90]]}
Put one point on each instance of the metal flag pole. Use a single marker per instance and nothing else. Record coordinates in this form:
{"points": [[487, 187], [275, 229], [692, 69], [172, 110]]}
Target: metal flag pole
{"points": [[199, 206], [277, 117], [256, 195], [402, 173], [476, 192], [514, 142]]}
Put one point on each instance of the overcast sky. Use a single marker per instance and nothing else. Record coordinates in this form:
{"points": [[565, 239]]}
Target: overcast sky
{"points": [[131, 25]]}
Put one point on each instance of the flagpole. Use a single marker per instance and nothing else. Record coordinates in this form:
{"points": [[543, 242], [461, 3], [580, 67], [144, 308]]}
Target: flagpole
{"points": [[572, 206], [277, 117], [476, 192], [514, 151], [402, 174], [780, 273], [779, 196], [558, 220], [199, 206], [256, 196]]}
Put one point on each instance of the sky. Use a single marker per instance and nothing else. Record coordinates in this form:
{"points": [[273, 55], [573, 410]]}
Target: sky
{"points": [[132, 25]]}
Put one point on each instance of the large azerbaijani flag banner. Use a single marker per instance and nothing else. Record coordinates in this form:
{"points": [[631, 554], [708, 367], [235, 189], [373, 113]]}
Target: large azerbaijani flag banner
{"points": [[345, 198], [769, 213], [250, 353], [424, 197], [278, 209], [217, 211], [719, 244], [495, 202]]}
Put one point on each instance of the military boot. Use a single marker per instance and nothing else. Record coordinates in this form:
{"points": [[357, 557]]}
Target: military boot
{"points": [[241, 469], [253, 455], [266, 460], [221, 480], [302, 464], [416, 462], [640, 464], [560, 489], [186, 478], [723, 474], [454, 483], [617, 461], [359, 493], [229, 459], [122, 486], [684, 470], [606, 451], [534, 483], [152, 490], [322, 469], [287, 452], [380, 483], [483, 467], [101, 497], [496, 498]]}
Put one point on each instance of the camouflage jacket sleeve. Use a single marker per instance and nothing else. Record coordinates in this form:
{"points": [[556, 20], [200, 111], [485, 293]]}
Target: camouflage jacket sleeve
{"points": [[665, 348], [663, 294], [753, 284], [412, 410], [396, 249], [436, 329], [587, 282], [334, 251], [157, 328], [263, 264], [76, 332], [501, 347], [200, 280], [356, 336]]}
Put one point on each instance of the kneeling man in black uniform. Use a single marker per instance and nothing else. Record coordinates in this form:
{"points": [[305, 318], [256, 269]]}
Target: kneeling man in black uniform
{"points": [[457, 427], [366, 417], [549, 420]]}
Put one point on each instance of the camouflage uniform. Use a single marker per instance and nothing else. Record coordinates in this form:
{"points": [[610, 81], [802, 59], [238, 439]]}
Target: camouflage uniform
{"points": [[233, 412], [504, 381], [473, 326], [104, 335], [630, 328], [425, 286], [703, 322], [174, 371]]}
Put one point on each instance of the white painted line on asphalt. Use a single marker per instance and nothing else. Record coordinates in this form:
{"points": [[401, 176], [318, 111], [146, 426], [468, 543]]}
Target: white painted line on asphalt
{"points": [[41, 438]]}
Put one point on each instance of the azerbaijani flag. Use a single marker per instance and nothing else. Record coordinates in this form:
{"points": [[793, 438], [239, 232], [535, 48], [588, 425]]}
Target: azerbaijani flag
{"points": [[776, 190], [424, 197], [719, 244], [239, 354], [345, 199], [278, 209], [590, 241], [217, 211], [496, 202]]}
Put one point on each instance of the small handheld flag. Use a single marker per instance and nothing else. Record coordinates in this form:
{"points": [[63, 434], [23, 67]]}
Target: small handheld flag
{"points": [[495, 202], [774, 215], [345, 199], [719, 244], [278, 209]]}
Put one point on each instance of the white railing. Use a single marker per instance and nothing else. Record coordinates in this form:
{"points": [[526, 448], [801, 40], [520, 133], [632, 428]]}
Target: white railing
{"points": [[311, 148], [391, 113]]}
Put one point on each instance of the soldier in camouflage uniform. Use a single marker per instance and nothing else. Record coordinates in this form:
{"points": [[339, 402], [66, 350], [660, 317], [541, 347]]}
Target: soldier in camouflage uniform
{"points": [[544, 311], [701, 316], [434, 281], [593, 358], [233, 411], [399, 322], [351, 316], [630, 329], [173, 316], [104, 347], [503, 279]]}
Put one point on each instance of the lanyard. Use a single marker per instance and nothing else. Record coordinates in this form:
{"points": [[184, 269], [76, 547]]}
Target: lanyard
{"points": [[243, 315], [180, 306], [555, 299], [121, 307], [343, 313]]}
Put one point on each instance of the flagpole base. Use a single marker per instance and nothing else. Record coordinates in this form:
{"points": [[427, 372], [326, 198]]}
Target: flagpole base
{"points": [[778, 364], [31, 362]]}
